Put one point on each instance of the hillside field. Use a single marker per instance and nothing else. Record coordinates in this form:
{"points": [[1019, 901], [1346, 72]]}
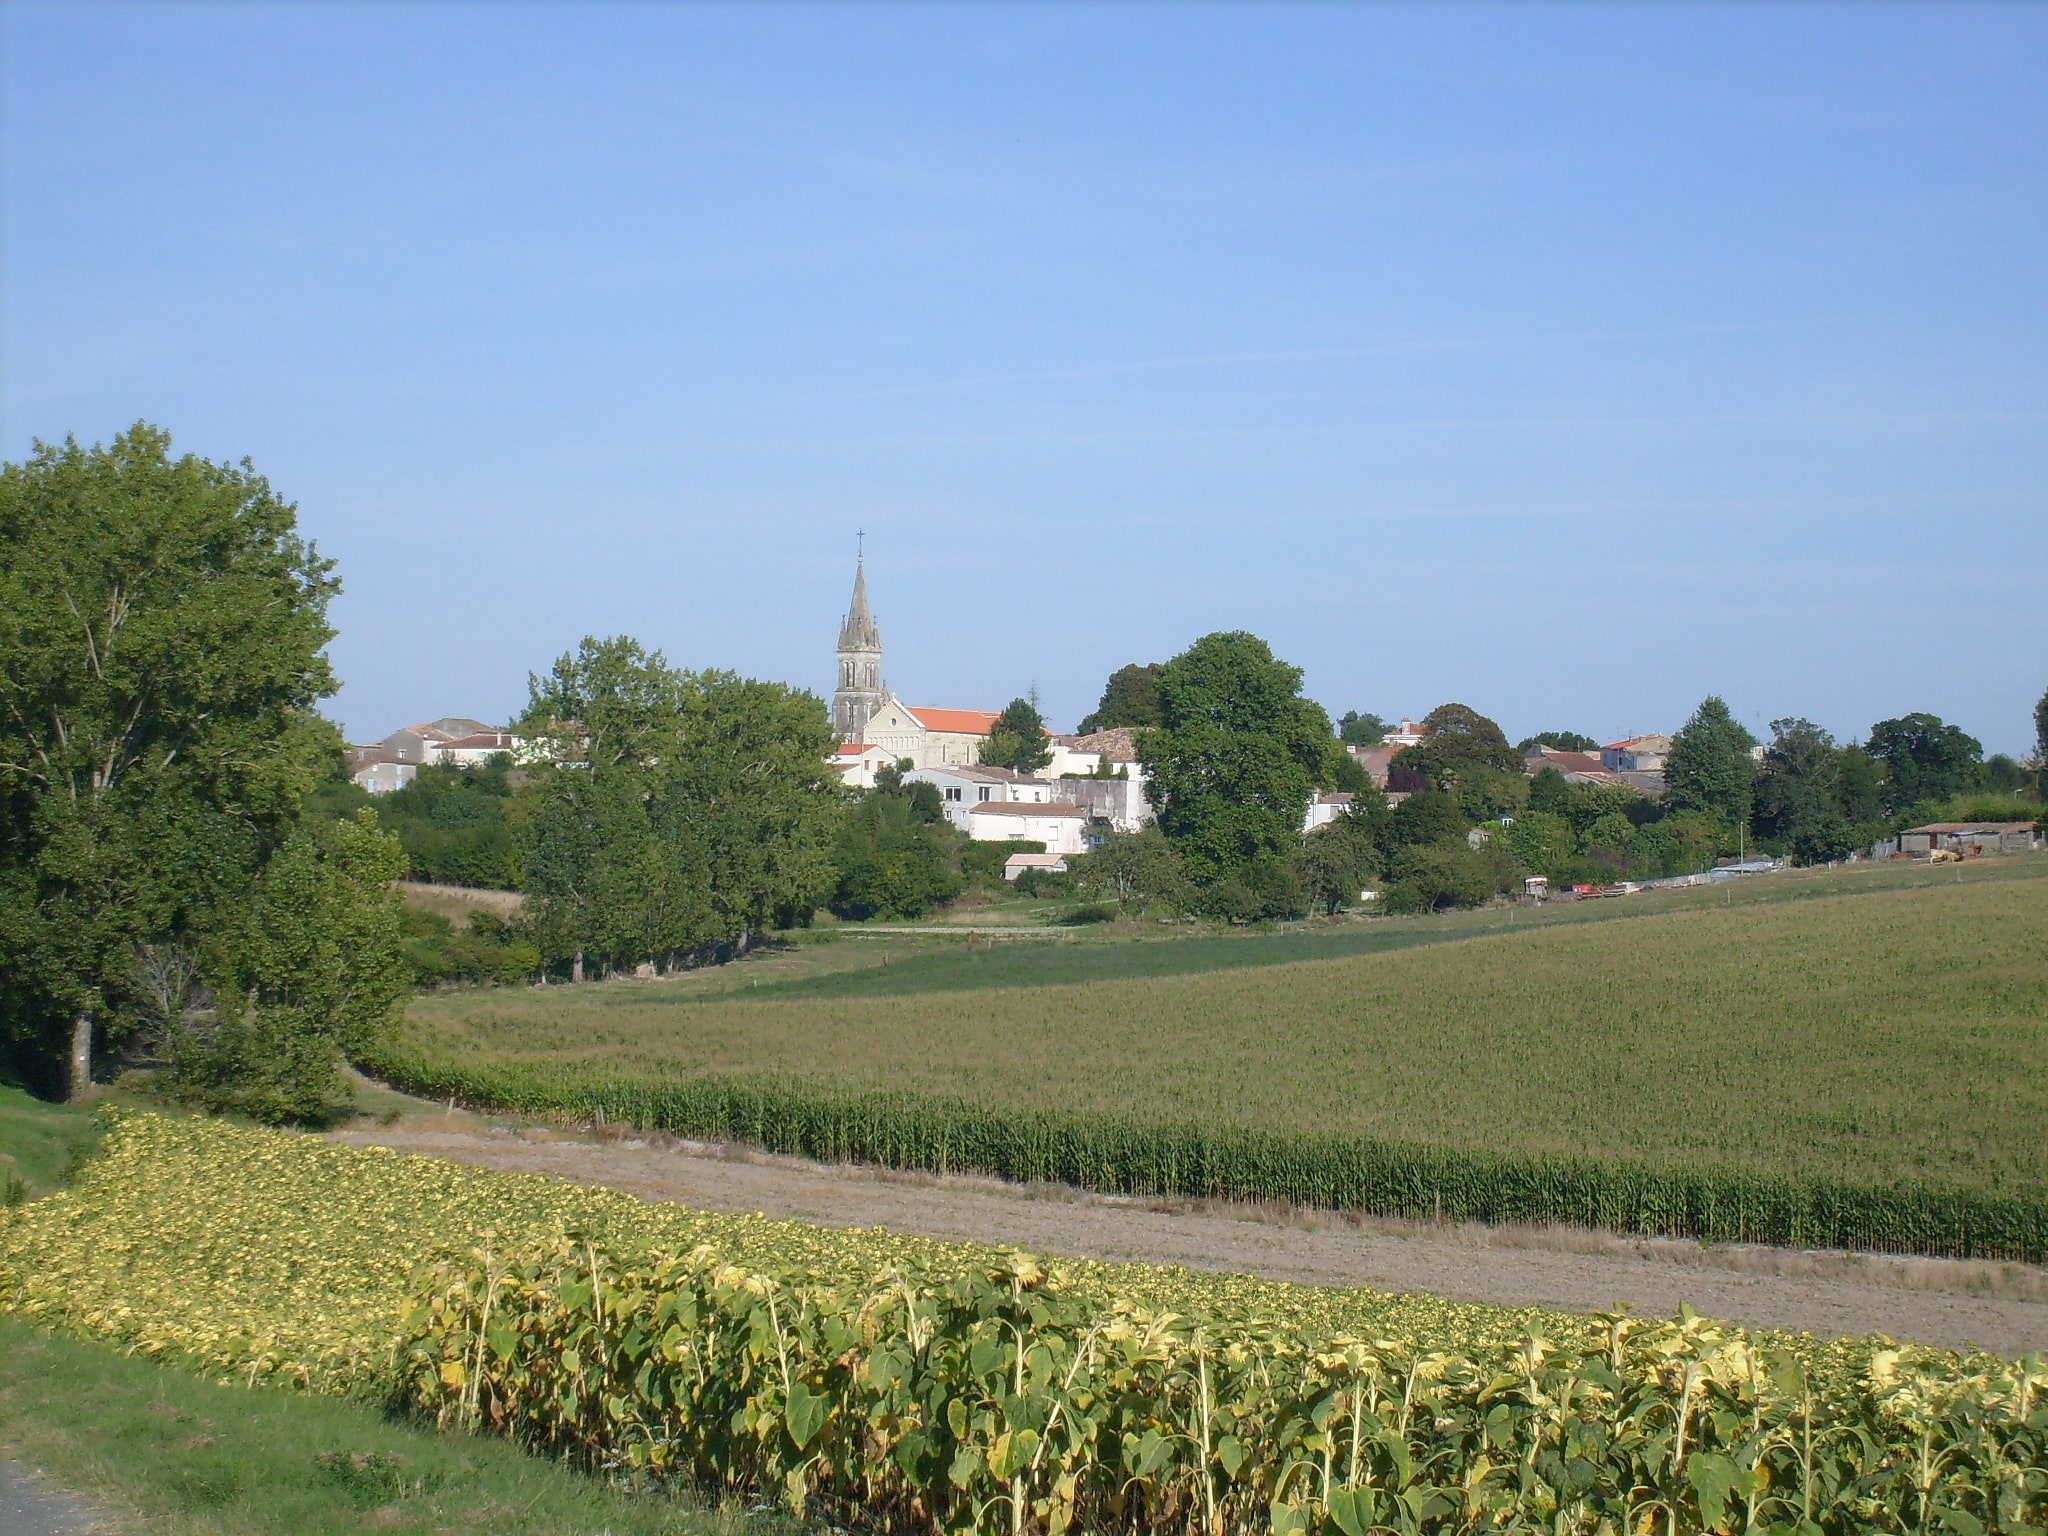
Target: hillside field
{"points": [[1849, 1060]]}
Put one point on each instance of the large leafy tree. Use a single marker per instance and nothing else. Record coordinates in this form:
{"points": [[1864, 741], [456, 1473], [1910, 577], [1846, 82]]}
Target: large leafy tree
{"points": [[897, 856], [162, 634], [1236, 757], [1925, 760], [1459, 743], [1361, 729], [1018, 740], [1131, 698], [1710, 769], [1813, 797], [311, 970], [678, 810]]}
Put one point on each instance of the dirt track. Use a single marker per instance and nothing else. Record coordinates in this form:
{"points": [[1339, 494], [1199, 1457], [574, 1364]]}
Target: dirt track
{"points": [[2003, 1308]]}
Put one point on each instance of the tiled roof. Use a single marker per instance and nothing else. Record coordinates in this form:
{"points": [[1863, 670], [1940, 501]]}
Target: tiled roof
{"points": [[1119, 744], [495, 741], [1572, 762], [1058, 808], [959, 722], [983, 773]]}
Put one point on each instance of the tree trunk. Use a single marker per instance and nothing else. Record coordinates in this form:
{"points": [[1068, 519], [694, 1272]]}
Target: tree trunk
{"points": [[576, 967], [81, 1055]]}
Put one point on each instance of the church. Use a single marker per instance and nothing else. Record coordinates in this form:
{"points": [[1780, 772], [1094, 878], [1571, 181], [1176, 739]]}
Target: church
{"points": [[874, 726]]}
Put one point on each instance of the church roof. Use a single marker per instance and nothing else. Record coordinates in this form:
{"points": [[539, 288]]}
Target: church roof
{"points": [[858, 632], [958, 722]]}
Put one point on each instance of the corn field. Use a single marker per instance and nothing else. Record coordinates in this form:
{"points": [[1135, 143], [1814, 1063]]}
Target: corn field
{"points": [[1115, 1155]]}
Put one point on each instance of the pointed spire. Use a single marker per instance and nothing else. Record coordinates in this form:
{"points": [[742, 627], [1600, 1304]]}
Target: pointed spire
{"points": [[859, 632]]}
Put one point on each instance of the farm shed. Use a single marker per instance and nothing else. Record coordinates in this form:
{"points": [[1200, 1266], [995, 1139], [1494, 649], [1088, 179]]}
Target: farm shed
{"points": [[1969, 837]]}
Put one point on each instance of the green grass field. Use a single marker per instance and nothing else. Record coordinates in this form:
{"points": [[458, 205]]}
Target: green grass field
{"points": [[39, 1143], [1840, 1059], [161, 1450], [1891, 1030]]}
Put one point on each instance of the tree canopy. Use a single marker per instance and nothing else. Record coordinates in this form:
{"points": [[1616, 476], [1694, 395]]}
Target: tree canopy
{"points": [[162, 647], [678, 810], [1924, 760], [1018, 740], [1357, 729], [1236, 757], [1458, 741], [1131, 698], [1710, 769]]}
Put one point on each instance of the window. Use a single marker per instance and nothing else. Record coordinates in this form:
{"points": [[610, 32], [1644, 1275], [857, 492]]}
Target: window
{"points": [[985, 791]]}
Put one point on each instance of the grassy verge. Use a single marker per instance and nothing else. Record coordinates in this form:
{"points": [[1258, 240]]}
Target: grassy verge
{"points": [[39, 1143], [164, 1451]]}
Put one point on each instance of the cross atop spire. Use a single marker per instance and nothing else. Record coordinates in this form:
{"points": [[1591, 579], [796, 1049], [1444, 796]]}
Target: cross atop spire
{"points": [[859, 632]]}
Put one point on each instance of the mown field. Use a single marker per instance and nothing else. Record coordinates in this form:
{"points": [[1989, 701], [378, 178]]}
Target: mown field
{"points": [[930, 1386], [1879, 1037]]}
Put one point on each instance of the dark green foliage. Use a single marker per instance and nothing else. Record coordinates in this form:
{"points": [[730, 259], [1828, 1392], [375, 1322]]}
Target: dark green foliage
{"points": [[1234, 763], [1924, 761], [2005, 775], [896, 856], [680, 812], [1361, 730], [1436, 876], [313, 970], [982, 863], [1563, 741], [486, 949], [1549, 792], [1132, 1157], [1710, 769], [1263, 886], [1338, 861], [1430, 816], [162, 634], [1017, 740], [452, 824], [1814, 799], [1131, 698], [1460, 742], [1139, 871], [1349, 775]]}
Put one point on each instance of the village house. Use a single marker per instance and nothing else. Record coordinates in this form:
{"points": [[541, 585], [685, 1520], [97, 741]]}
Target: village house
{"points": [[1326, 808], [961, 789], [1590, 768], [1638, 754], [453, 741], [1061, 826]]}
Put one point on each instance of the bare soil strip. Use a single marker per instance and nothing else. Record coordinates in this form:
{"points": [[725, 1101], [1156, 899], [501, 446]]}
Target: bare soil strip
{"points": [[1998, 1307]]}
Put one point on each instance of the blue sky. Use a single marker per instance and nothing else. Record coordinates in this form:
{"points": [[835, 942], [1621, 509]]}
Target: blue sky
{"points": [[1569, 362]]}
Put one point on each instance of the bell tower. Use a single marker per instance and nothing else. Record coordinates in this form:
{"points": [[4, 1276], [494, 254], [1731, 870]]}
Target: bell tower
{"points": [[860, 662]]}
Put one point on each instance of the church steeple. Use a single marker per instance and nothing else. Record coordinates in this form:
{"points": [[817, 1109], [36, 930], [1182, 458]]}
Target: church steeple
{"points": [[860, 662], [858, 632]]}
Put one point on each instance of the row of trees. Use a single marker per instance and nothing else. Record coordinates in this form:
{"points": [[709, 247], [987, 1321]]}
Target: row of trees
{"points": [[162, 651], [1235, 752]]}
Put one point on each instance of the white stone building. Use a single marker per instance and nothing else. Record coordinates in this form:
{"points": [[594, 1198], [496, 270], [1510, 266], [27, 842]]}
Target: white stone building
{"points": [[1062, 827]]}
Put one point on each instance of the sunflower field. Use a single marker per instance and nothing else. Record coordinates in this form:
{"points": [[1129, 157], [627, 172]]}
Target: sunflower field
{"points": [[904, 1384]]}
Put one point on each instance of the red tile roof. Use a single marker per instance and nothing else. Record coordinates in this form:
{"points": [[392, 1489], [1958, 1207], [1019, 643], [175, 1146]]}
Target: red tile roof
{"points": [[959, 722]]}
